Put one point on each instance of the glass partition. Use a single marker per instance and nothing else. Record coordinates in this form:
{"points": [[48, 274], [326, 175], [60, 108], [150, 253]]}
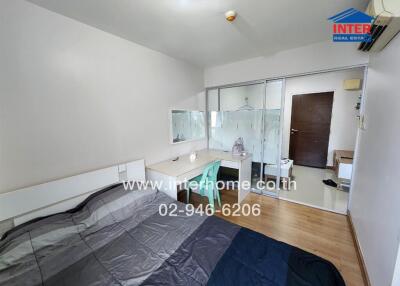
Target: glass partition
{"points": [[248, 98], [272, 136], [251, 112]]}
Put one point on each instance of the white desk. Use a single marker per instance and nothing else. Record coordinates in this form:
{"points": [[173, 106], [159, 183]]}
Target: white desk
{"points": [[173, 173]]}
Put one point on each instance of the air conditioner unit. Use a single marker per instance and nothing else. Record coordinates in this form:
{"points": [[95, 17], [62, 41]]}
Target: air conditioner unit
{"points": [[385, 25]]}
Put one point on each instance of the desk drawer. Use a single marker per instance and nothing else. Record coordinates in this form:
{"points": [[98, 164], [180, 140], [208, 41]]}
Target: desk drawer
{"points": [[196, 172], [190, 175]]}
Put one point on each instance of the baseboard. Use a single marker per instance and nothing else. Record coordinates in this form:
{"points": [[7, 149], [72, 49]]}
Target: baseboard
{"points": [[312, 206], [358, 249]]}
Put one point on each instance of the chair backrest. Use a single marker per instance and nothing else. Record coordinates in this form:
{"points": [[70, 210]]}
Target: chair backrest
{"points": [[214, 174], [210, 172]]}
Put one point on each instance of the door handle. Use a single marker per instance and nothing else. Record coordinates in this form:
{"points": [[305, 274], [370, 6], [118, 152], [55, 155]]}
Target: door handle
{"points": [[294, 130]]}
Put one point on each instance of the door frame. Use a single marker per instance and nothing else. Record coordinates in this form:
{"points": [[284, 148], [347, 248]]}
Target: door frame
{"points": [[362, 112], [330, 121]]}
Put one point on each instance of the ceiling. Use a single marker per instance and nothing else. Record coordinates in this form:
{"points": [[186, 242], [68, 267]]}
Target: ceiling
{"points": [[196, 30]]}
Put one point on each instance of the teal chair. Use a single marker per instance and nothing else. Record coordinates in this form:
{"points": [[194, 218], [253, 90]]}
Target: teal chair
{"points": [[206, 184]]}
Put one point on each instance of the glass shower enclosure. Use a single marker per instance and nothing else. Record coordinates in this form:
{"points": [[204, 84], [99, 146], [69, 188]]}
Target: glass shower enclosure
{"points": [[253, 112]]}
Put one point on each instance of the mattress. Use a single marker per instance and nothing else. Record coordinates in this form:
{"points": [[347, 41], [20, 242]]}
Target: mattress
{"points": [[119, 237]]}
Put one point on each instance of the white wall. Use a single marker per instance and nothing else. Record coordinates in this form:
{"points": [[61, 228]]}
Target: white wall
{"points": [[343, 123], [74, 98], [375, 195], [315, 57], [396, 275]]}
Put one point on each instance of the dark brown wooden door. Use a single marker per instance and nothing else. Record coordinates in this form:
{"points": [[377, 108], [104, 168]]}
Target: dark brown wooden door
{"points": [[310, 129]]}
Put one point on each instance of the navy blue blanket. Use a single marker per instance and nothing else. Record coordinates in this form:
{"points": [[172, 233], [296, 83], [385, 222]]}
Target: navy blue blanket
{"points": [[241, 257]]}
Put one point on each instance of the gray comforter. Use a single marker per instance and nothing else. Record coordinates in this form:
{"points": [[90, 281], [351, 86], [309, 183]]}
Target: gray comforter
{"points": [[118, 237]]}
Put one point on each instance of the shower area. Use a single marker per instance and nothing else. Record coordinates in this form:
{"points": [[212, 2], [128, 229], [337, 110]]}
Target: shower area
{"points": [[253, 112]]}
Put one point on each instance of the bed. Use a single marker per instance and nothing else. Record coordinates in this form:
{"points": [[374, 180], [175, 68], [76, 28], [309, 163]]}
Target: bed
{"points": [[118, 237]]}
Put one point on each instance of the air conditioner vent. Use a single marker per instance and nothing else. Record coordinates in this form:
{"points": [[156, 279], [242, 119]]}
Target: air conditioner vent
{"points": [[376, 32], [385, 26]]}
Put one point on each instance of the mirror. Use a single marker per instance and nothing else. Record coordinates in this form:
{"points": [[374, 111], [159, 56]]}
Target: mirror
{"points": [[187, 125]]}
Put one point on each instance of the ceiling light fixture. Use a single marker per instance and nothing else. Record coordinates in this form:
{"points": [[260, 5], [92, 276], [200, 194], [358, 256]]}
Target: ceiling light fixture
{"points": [[230, 16]]}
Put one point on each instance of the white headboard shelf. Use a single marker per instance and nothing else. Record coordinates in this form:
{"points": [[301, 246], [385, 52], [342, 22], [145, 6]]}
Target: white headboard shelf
{"points": [[60, 195]]}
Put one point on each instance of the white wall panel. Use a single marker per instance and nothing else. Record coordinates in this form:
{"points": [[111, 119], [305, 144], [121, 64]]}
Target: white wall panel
{"points": [[74, 98], [375, 195]]}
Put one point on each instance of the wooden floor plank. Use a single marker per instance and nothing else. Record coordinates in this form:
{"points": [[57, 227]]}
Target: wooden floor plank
{"points": [[320, 232]]}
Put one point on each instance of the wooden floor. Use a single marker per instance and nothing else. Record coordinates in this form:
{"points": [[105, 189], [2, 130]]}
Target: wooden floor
{"points": [[320, 232]]}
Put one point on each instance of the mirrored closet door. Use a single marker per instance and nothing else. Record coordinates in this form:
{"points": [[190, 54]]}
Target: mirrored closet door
{"points": [[272, 134], [249, 115]]}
